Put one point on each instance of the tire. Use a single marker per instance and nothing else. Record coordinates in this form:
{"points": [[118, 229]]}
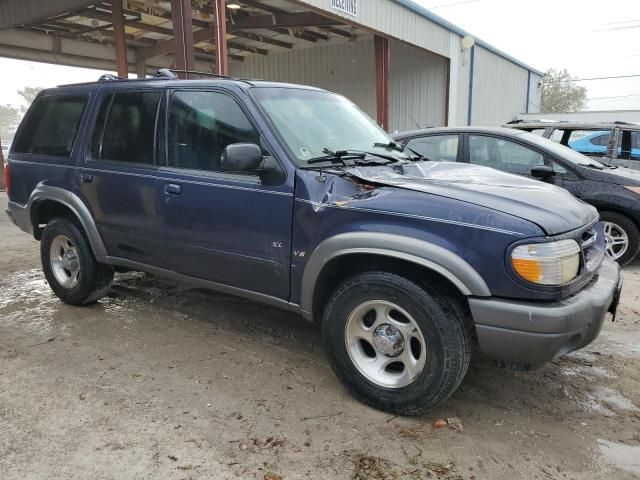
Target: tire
{"points": [[617, 224], [76, 277], [438, 352]]}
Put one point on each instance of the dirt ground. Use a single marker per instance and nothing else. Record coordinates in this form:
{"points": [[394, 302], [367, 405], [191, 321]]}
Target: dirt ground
{"points": [[157, 381]]}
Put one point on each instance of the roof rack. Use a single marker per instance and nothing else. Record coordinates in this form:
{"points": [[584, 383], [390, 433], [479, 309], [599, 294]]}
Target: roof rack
{"points": [[164, 71]]}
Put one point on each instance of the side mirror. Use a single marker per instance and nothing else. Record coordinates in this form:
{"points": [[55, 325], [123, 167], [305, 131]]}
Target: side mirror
{"points": [[542, 171], [241, 157]]}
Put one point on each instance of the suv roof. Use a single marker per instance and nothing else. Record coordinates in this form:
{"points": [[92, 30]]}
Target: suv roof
{"points": [[167, 77], [520, 124]]}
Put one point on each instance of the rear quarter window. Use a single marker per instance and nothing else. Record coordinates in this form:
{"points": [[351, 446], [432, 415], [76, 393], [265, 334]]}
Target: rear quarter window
{"points": [[51, 125]]}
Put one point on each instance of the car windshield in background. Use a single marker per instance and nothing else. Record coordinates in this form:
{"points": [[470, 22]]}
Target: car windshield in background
{"points": [[563, 152], [311, 122]]}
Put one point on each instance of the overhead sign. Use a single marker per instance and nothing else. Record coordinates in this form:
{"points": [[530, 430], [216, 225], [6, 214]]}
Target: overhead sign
{"points": [[350, 7]]}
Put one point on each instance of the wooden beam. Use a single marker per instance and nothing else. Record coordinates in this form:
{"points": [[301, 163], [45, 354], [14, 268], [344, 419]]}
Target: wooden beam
{"points": [[220, 36], [120, 39], [282, 20], [272, 9], [381, 51], [183, 35], [260, 38], [91, 13]]}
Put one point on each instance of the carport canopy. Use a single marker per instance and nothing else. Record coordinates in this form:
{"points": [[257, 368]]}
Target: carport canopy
{"points": [[142, 36]]}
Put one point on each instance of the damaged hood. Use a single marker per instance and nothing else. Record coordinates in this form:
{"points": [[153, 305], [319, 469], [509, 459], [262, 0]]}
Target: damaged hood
{"points": [[552, 208]]}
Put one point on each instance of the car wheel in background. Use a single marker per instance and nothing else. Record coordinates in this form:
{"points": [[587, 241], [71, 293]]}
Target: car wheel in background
{"points": [[621, 236], [69, 266], [394, 344]]}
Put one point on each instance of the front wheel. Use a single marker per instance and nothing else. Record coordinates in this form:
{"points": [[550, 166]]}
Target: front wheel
{"points": [[69, 266], [621, 236], [396, 345]]}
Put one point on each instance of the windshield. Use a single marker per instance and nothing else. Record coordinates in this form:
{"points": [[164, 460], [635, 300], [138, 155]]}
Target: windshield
{"points": [[313, 122], [563, 152]]}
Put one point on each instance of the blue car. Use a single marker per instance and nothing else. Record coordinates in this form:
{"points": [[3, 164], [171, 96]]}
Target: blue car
{"points": [[292, 197], [596, 144]]}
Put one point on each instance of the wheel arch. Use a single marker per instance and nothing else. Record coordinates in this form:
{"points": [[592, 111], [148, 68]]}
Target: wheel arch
{"points": [[416, 255], [47, 201]]}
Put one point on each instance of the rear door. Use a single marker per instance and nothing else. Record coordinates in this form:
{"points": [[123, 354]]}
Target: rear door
{"points": [[116, 178], [230, 228]]}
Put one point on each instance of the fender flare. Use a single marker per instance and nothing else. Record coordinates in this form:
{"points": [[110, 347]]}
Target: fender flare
{"points": [[434, 257], [76, 205]]}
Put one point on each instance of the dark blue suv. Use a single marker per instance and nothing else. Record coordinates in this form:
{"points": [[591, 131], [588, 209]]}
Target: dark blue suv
{"points": [[291, 196]]}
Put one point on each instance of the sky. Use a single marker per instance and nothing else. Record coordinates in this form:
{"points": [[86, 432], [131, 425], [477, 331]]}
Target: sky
{"points": [[589, 38]]}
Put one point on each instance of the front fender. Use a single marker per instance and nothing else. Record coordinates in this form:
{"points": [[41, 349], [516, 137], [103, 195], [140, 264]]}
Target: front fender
{"points": [[426, 254]]}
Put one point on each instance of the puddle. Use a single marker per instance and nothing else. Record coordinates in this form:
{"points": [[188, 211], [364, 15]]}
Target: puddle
{"points": [[624, 457], [614, 399]]}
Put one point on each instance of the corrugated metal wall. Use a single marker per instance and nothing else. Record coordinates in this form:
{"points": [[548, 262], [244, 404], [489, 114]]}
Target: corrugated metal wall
{"points": [[418, 79], [346, 68], [396, 21], [499, 89], [418, 84]]}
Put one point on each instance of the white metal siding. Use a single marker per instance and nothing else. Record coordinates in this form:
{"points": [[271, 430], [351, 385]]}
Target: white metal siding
{"points": [[418, 85], [348, 69], [499, 89], [395, 21]]}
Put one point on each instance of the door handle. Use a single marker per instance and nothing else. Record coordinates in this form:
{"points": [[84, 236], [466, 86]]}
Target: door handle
{"points": [[173, 189], [86, 177]]}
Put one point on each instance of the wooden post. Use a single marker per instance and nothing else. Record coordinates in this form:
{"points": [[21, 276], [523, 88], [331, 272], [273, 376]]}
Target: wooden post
{"points": [[120, 39], [3, 184], [141, 65], [381, 49], [183, 34], [220, 36]]}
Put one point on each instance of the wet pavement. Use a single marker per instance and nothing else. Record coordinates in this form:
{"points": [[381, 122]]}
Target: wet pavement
{"points": [[161, 381]]}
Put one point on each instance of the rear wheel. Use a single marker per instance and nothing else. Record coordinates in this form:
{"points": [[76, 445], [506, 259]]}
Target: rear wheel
{"points": [[396, 345], [69, 266], [621, 236]]}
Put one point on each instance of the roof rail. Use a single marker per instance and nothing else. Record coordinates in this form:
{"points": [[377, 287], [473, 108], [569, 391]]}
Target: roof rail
{"points": [[108, 77], [173, 71]]}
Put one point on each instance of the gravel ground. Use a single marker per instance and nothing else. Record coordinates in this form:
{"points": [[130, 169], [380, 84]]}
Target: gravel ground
{"points": [[159, 381]]}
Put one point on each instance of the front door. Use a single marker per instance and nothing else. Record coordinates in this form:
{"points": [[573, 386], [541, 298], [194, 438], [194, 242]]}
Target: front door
{"points": [[227, 227]]}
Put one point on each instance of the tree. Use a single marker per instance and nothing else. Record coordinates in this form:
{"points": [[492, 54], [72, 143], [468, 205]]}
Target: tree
{"points": [[9, 120], [29, 94], [560, 93]]}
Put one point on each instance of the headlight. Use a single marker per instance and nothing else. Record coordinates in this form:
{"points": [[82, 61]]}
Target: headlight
{"points": [[553, 263]]}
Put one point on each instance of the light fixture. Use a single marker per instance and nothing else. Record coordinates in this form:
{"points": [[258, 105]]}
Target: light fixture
{"points": [[233, 6]]}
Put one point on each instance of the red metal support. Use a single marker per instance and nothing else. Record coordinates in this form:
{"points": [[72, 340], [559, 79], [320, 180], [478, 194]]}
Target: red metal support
{"points": [[381, 49], [220, 36], [183, 35], [120, 38]]}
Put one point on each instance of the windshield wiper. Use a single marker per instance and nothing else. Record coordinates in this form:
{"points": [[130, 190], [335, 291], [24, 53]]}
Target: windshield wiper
{"points": [[351, 157], [400, 147]]}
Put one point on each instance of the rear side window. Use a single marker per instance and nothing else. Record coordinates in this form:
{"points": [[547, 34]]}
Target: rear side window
{"points": [[125, 127], [51, 125]]}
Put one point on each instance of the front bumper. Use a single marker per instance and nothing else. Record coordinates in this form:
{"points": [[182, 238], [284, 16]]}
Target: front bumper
{"points": [[532, 333]]}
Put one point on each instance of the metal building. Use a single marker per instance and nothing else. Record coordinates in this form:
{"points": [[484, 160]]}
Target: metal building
{"points": [[399, 62]]}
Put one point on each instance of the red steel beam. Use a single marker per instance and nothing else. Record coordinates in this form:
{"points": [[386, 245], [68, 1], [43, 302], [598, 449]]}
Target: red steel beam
{"points": [[183, 35], [220, 36], [120, 38], [381, 48]]}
